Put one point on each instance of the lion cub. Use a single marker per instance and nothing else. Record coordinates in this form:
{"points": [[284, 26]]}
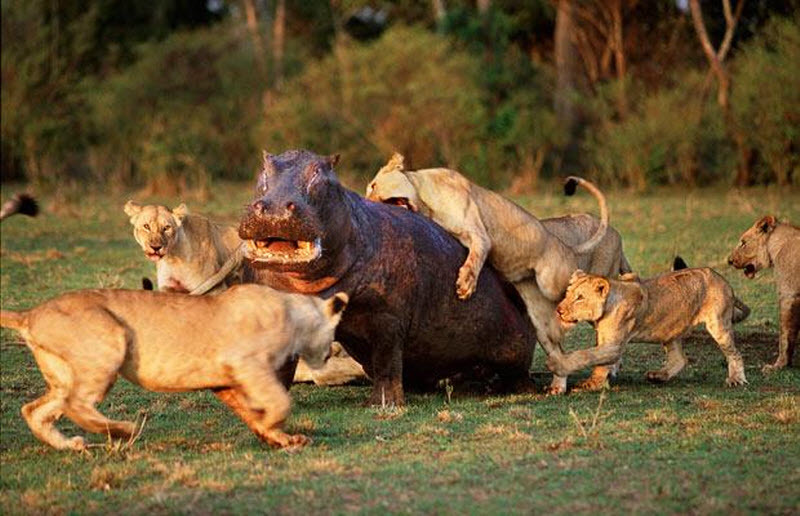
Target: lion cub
{"points": [[188, 249], [662, 309], [772, 243], [232, 343]]}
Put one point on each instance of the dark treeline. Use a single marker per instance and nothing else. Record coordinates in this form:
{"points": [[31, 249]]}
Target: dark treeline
{"points": [[177, 93]]}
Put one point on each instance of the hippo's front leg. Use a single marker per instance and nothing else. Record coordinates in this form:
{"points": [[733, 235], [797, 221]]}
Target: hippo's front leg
{"points": [[387, 340]]}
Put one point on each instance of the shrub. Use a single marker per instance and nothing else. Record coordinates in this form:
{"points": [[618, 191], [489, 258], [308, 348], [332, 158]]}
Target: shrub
{"points": [[765, 100], [409, 91], [181, 114], [672, 136]]}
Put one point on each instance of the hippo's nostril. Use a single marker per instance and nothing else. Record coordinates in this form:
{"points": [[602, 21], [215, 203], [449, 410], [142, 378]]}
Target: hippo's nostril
{"points": [[260, 207]]}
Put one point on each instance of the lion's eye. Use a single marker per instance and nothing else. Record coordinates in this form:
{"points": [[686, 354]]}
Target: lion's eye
{"points": [[167, 227], [147, 227], [741, 243], [579, 298]]}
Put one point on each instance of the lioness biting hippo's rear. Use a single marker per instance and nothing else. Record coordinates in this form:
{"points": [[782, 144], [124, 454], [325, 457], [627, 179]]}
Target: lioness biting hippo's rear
{"points": [[307, 233]]}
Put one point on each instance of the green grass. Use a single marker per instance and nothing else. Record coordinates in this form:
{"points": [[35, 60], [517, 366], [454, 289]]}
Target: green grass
{"points": [[689, 446]]}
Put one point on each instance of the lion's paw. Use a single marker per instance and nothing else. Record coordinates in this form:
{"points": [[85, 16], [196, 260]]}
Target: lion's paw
{"points": [[657, 376], [736, 381], [771, 368], [592, 384], [466, 283], [76, 443]]}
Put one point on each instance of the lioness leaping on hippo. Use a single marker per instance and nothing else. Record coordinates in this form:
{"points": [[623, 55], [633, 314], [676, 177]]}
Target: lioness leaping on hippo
{"points": [[306, 233], [537, 256]]}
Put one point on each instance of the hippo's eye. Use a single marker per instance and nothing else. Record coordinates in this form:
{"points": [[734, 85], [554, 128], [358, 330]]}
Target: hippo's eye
{"points": [[147, 227]]}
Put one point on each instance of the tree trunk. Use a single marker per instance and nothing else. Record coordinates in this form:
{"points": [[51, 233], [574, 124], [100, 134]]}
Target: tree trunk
{"points": [[439, 11], [278, 40], [619, 56], [565, 63], [724, 82], [251, 16], [484, 6]]}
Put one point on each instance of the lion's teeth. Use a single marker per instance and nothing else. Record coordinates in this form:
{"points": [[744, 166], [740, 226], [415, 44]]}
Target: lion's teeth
{"points": [[304, 244]]}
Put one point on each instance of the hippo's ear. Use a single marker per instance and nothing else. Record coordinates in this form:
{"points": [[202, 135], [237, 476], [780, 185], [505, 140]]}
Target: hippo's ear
{"points": [[332, 160], [766, 224], [268, 167]]}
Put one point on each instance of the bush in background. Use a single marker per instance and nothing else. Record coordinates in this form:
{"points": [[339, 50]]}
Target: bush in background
{"points": [[672, 136], [766, 100], [181, 115]]}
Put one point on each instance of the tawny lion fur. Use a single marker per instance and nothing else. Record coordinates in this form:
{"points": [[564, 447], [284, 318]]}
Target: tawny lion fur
{"points": [[232, 343], [537, 256], [188, 249], [662, 310], [770, 243]]}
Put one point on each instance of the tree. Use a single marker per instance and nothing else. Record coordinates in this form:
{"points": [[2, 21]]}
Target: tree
{"points": [[715, 60]]}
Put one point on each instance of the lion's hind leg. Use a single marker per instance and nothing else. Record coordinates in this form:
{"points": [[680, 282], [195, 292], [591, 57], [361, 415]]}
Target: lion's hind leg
{"points": [[674, 363], [42, 413], [720, 328]]}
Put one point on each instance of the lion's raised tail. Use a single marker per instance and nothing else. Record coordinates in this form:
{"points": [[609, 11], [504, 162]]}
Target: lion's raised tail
{"points": [[14, 320], [570, 186]]}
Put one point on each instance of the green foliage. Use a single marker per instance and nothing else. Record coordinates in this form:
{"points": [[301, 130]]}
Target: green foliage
{"points": [[409, 91], [673, 136], [766, 100], [181, 113]]}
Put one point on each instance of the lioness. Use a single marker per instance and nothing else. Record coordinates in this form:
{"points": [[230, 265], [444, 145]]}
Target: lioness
{"points": [[231, 343], [537, 256], [662, 309], [772, 243], [187, 248]]}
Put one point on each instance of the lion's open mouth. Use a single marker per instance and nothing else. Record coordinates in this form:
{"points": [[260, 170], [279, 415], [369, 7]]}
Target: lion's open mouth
{"points": [[400, 201], [750, 271], [154, 256], [283, 251]]}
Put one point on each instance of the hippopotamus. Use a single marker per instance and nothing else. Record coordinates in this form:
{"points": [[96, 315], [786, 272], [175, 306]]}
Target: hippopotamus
{"points": [[305, 232]]}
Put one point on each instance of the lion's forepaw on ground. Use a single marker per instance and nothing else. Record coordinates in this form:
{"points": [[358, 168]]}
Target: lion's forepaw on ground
{"points": [[736, 381], [772, 368], [592, 384]]}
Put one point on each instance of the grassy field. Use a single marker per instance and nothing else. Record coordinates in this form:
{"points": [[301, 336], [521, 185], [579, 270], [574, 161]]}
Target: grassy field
{"points": [[691, 446]]}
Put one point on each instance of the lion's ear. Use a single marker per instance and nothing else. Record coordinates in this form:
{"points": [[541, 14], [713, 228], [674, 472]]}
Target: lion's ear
{"points": [[576, 275], [766, 224], [180, 212], [601, 286], [398, 161], [132, 209]]}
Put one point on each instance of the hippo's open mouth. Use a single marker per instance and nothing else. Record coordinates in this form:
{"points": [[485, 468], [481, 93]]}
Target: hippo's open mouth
{"points": [[282, 251], [400, 201], [750, 271]]}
